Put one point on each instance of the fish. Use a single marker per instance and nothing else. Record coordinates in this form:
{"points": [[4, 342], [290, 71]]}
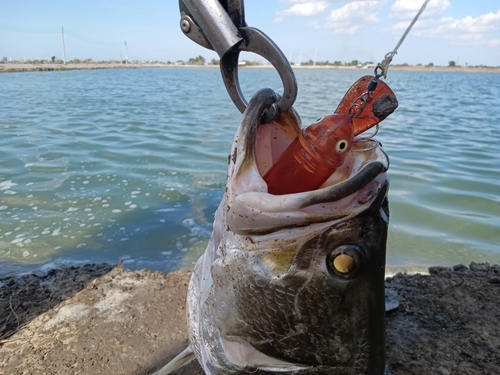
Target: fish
{"points": [[293, 283]]}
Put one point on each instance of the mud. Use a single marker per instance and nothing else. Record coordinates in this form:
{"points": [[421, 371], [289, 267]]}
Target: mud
{"points": [[99, 319]]}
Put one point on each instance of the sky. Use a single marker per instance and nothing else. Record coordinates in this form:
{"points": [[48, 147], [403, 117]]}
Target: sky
{"points": [[464, 31]]}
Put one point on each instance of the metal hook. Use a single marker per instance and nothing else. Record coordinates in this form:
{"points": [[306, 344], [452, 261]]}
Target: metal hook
{"points": [[210, 25], [257, 42], [223, 29]]}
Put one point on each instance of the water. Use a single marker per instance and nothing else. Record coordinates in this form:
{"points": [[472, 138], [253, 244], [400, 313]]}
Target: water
{"points": [[130, 164]]}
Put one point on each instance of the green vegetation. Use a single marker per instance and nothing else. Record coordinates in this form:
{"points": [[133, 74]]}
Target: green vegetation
{"points": [[200, 61], [252, 63], [337, 63]]}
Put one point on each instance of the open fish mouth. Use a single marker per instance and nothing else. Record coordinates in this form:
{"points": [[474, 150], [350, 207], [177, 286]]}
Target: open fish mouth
{"points": [[292, 283], [251, 210]]}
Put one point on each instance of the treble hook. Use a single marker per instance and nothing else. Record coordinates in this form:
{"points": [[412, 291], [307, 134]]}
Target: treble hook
{"points": [[223, 29]]}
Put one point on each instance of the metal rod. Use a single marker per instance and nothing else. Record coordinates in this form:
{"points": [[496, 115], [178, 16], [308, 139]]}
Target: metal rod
{"points": [[63, 46], [215, 23]]}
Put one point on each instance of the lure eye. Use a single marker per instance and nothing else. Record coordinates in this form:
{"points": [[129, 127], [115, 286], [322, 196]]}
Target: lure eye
{"points": [[346, 261], [341, 146]]}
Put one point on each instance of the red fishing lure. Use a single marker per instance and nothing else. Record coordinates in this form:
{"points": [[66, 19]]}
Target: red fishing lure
{"points": [[312, 157], [318, 150]]}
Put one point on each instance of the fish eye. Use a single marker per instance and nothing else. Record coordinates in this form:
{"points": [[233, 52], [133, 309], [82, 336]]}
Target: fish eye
{"points": [[341, 146], [346, 261], [318, 119]]}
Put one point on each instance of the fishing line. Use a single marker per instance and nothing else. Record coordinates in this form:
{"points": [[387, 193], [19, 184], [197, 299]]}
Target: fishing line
{"points": [[384, 64], [359, 104]]}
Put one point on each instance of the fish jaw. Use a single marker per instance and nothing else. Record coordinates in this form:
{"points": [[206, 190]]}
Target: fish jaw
{"points": [[265, 296]]}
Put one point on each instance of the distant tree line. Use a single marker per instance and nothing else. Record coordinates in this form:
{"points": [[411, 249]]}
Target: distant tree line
{"points": [[335, 63], [200, 60]]}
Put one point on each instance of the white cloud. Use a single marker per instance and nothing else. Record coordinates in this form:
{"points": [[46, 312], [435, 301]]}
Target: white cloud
{"points": [[485, 22], [346, 19], [467, 30], [349, 18], [305, 8]]}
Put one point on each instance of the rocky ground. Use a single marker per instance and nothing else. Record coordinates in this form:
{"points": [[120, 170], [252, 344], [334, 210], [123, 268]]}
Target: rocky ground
{"points": [[99, 319]]}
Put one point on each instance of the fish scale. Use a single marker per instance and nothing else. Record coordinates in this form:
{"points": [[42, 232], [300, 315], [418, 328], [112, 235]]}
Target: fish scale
{"points": [[275, 329]]}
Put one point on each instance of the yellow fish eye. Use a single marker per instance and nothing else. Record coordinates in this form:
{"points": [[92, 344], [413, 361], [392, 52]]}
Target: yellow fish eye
{"points": [[341, 146], [344, 263]]}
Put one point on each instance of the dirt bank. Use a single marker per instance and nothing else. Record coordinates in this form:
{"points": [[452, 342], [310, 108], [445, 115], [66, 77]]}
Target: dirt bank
{"points": [[102, 320], [28, 67]]}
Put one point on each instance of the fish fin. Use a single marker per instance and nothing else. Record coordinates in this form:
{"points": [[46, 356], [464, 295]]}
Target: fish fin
{"points": [[186, 356]]}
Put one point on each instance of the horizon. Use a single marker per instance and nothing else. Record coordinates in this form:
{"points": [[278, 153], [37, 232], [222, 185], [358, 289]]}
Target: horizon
{"points": [[264, 63], [320, 30]]}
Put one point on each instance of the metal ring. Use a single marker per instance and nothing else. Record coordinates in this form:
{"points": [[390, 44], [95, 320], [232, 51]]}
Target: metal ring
{"points": [[257, 42]]}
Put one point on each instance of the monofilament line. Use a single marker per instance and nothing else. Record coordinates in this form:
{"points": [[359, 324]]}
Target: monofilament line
{"points": [[384, 65]]}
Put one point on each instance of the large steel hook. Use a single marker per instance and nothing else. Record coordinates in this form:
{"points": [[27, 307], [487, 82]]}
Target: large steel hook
{"points": [[221, 26]]}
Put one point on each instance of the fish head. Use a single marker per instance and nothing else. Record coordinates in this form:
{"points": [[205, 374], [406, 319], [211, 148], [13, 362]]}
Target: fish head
{"points": [[293, 283]]}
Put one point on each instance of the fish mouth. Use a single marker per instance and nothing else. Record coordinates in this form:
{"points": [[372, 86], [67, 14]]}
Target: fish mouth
{"points": [[251, 210]]}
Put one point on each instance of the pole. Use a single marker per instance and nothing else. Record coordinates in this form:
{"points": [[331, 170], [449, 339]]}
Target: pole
{"points": [[126, 53], [63, 47]]}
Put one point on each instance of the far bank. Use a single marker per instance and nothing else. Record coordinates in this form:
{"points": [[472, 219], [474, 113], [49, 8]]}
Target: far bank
{"points": [[28, 67]]}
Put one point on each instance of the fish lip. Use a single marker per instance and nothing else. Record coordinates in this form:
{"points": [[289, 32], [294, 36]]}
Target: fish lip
{"points": [[347, 187]]}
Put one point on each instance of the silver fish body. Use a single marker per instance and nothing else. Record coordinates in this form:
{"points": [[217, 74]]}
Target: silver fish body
{"points": [[292, 284]]}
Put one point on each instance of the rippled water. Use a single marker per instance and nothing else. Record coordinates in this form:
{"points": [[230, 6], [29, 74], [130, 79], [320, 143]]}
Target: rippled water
{"points": [[130, 164]]}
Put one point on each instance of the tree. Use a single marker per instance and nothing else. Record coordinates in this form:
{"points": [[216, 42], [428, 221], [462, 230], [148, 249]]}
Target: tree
{"points": [[451, 64], [430, 65], [53, 58], [200, 60]]}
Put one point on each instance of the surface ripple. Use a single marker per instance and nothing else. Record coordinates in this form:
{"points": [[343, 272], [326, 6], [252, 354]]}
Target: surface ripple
{"points": [[130, 164]]}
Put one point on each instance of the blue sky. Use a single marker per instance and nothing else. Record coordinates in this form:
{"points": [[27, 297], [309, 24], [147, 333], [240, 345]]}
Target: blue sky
{"points": [[460, 30]]}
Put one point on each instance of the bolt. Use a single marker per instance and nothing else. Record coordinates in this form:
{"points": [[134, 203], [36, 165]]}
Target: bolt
{"points": [[185, 26]]}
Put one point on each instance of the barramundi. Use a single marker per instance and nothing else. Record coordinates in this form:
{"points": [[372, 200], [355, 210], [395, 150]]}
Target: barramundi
{"points": [[293, 283]]}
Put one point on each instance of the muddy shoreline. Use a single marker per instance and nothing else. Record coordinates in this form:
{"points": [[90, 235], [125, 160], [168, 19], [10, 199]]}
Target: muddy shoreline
{"points": [[99, 319]]}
